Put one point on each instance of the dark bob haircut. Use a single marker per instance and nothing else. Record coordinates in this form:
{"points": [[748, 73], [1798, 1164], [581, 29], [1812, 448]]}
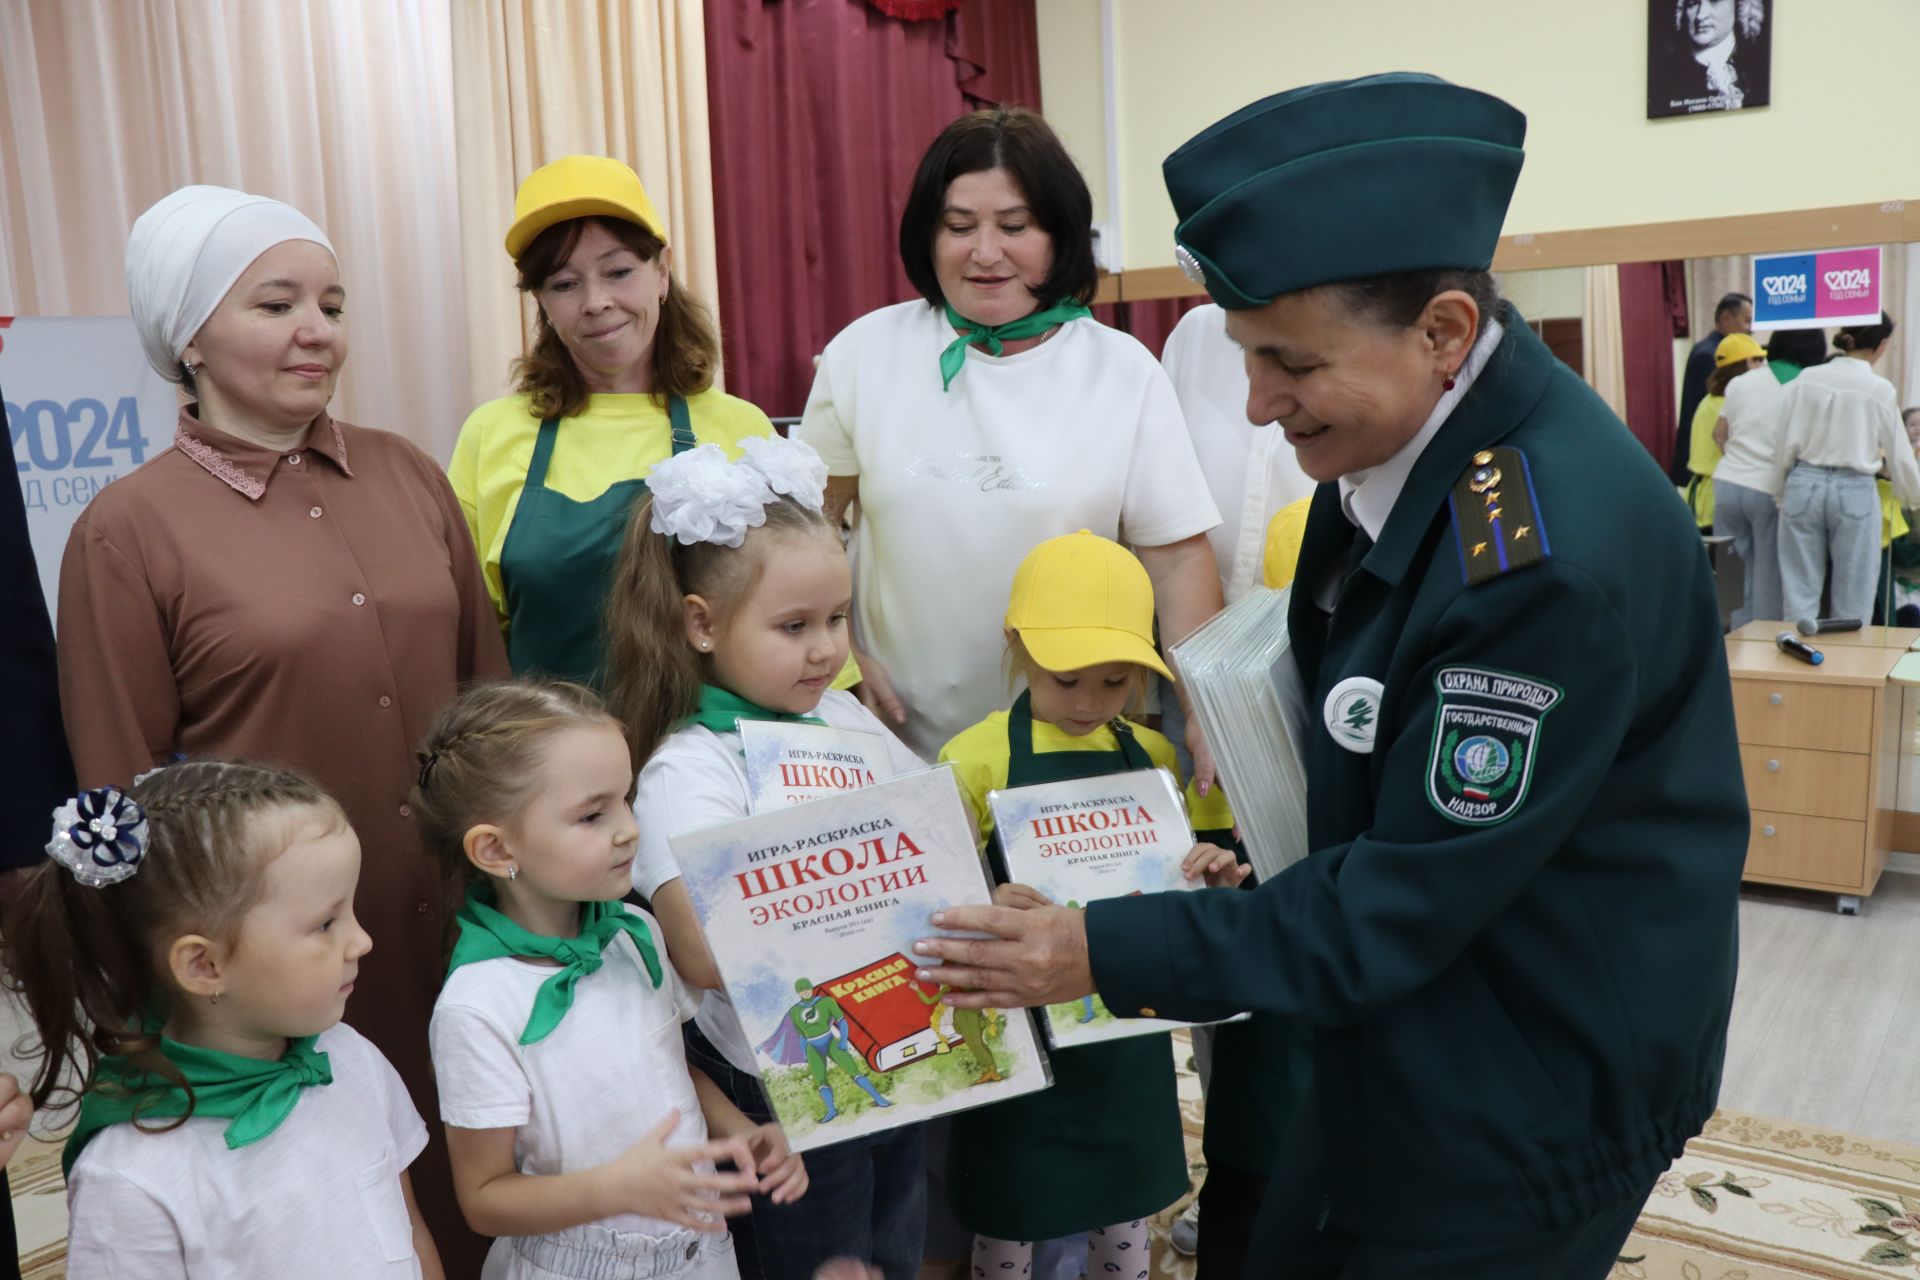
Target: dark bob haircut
{"points": [[1022, 143]]}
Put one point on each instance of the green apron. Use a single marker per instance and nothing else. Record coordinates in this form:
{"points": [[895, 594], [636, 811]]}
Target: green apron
{"points": [[558, 560], [1104, 1144]]}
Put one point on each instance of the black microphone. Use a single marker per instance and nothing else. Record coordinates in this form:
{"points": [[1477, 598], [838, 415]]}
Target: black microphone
{"points": [[1792, 644], [1820, 626]]}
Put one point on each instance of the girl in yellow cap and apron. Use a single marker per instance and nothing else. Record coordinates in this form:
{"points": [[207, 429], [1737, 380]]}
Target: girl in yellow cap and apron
{"points": [[619, 378], [1101, 1151]]}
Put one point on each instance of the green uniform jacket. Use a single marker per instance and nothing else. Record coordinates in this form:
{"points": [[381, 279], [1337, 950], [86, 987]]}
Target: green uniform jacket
{"points": [[1519, 1019]]}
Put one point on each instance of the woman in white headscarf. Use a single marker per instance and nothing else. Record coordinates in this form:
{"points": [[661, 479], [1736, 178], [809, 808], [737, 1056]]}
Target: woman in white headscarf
{"points": [[280, 586]]}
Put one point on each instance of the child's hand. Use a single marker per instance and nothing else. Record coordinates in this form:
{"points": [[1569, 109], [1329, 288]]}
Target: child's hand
{"points": [[783, 1176], [16, 1109], [653, 1179], [1219, 866], [1020, 896]]}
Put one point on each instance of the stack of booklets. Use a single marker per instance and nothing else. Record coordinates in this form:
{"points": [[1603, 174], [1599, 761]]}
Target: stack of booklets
{"points": [[811, 909], [1239, 674], [1079, 841]]}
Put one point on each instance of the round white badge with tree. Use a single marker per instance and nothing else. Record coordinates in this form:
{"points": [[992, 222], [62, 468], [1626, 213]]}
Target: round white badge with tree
{"points": [[1352, 713]]}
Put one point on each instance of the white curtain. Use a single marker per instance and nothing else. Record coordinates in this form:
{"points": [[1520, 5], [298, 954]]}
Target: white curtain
{"points": [[1603, 349], [342, 108]]}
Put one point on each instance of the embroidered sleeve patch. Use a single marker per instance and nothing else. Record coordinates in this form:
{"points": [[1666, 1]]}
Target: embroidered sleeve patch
{"points": [[1486, 733]]}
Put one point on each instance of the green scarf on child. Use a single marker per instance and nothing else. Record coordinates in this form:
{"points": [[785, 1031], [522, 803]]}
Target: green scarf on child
{"points": [[254, 1095], [486, 934], [722, 711]]}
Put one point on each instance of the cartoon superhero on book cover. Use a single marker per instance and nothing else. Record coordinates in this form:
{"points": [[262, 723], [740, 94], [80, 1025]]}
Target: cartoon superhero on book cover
{"points": [[815, 1030]]}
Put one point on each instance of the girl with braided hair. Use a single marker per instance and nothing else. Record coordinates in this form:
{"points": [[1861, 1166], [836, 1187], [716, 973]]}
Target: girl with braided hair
{"points": [[186, 953], [579, 1135]]}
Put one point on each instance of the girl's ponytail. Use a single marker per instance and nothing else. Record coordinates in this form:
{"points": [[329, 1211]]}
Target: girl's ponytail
{"points": [[88, 960], [82, 978]]}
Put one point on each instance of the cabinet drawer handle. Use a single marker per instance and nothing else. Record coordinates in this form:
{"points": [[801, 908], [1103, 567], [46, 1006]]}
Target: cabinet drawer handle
{"points": [[1773, 766], [1776, 699], [1767, 830]]}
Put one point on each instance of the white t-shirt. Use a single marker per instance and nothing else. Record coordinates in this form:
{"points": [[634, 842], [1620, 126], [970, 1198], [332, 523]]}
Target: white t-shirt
{"points": [[1752, 411], [697, 779], [318, 1197], [1252, 471], [956, 486], [594, 1086], [1843, 414]]}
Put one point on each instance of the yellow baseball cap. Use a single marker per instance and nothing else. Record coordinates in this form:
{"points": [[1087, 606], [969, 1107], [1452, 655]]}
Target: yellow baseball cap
{"points": [[1734, 348], [1082, 600], [579, 187]]}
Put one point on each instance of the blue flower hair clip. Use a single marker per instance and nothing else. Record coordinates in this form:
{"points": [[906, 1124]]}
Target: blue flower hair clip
{"points": [[100, 836]]}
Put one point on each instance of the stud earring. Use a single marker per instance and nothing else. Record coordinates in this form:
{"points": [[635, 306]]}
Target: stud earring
{"points": [[188, 366]]}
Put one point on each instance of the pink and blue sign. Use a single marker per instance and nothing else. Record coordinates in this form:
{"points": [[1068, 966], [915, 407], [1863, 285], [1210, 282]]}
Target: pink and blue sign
{"points": [[1816, 290]]}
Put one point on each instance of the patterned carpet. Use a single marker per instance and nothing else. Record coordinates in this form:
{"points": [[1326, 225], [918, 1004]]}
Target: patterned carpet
{"points": [[1752, 1199]]}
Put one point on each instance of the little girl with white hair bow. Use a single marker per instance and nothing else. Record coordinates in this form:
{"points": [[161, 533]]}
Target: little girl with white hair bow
{"points": [[730, 603]]}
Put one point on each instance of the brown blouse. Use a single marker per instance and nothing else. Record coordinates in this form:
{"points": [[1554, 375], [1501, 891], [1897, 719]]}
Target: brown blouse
{"points": [[313, 609]]}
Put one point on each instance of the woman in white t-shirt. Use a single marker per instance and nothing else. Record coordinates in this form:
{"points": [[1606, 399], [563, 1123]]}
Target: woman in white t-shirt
{"points": [[1839, 427], [989, 415]]}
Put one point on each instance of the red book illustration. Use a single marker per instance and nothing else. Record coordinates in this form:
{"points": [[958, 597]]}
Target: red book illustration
{"points": [[886, 1020]]}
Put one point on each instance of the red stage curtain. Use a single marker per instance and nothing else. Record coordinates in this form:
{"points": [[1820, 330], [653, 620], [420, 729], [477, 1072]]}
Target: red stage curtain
{"points": [[1647, 333], [819, 111]]}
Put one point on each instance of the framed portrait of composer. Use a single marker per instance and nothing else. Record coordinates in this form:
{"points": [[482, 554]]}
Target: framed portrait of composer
{"points": [[1708, 55]]}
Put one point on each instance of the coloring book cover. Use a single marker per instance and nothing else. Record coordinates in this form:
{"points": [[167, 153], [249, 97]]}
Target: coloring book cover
{"points": [[811, 912], [789, 763], [1078, 841]]}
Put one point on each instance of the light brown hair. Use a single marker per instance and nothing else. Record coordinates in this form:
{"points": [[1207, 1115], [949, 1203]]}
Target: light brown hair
{"points": [[480, 763], [1019, 664], [92, 962], [653, 673], [686, 345]]}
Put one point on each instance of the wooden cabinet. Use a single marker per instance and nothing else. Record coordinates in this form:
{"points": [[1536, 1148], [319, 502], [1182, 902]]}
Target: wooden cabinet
{"points": [[1819, 752]]}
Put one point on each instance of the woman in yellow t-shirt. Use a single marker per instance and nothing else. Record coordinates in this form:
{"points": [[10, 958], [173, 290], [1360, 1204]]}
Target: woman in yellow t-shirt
{"points": [[620, 376]]}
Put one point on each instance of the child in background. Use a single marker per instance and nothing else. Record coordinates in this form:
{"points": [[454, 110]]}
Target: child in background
{"points": [[578, 1134], [1105, 1140], [187, 952], [729, 603]]}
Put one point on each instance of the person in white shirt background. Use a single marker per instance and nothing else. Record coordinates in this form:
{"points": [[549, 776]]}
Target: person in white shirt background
{"points": [[1747, 484], [1840, 423]]}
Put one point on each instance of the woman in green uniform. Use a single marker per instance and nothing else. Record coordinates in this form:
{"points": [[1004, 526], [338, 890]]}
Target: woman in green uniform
{"points": [[1515, 936], [620, 376]]}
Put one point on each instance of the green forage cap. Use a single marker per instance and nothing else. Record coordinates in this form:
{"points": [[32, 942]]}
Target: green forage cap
{"points": [[803, 984], [1341, 181]]}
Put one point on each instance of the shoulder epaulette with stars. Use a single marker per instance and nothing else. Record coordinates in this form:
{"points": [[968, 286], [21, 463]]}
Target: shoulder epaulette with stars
{"points": [[1496, 523]]}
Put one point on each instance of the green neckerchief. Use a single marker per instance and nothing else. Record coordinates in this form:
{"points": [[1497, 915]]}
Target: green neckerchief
{"points": [[253, 1095], [486, 934], [722, 711], [992, 335]]}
